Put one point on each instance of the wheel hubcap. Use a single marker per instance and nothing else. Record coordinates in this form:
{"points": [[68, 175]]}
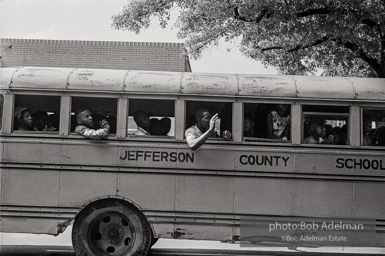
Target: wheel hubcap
{"points": [[111, 233]]}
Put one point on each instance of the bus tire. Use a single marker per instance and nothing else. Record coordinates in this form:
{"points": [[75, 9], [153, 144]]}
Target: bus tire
{"points": [[111, 227], [153, 239]]}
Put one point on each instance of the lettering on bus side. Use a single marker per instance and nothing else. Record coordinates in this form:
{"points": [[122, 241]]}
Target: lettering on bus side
{"points": [[157, 156], [264, 160], [360, 164]]}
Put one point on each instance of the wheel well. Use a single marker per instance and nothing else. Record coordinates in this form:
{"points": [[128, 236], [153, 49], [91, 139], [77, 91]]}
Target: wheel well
{"points": [[107, 200]]}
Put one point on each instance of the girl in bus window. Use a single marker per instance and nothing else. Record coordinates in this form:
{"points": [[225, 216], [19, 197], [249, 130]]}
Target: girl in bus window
{"points": [[278, 122], [23, 119], [317, 133], [248, 126]]}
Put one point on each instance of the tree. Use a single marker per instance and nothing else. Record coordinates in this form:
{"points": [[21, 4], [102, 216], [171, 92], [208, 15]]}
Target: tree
{"points": [[345, 37]]}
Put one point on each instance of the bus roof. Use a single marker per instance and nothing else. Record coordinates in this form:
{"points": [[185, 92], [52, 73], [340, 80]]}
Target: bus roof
{"points": [[238, 85]]}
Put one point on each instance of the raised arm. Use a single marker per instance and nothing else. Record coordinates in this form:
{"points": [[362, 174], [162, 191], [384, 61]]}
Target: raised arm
{"points": [[92, 133], [195, 142]]}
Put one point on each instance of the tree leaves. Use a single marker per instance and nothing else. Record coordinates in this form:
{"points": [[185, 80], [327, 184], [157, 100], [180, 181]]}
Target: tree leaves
{"points": [[345, 38]]}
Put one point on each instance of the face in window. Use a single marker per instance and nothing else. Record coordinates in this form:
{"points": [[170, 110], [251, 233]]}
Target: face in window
{"points": [[24, 119], [283, 109], [85, 118], [142, 119], [204, 121], [321, 131]]}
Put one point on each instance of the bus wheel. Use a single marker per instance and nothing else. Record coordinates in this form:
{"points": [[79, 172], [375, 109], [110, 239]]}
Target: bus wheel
{"points": [[153, 239], [111, 227]]}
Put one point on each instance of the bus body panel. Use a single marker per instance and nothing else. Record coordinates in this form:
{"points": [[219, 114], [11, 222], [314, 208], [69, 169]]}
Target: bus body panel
{"points": [[267, 86], [153, 82], [368, 89], [43, 78], [99, 79], [324, 87], [6, 77], [194, 83]]}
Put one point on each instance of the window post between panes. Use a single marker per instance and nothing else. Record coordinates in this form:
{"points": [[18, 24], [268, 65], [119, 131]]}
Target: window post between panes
{"points": [[65, 115], [237, 121], [180, 111], [122, 115], [354, 131], [8, 113], [296, 124]]}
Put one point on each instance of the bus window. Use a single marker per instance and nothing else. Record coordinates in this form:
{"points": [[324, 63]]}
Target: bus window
{"points": [[153, 117], [325, 124], [223, 126], [100, 108], [373, 127], [1, 110], [36, 113], [266, 122]]}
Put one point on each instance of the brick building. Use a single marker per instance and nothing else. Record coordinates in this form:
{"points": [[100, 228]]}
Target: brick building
{"points": [[94, 54]]}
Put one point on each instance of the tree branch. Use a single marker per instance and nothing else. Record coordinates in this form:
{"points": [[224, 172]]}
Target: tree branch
{"points": [[310, 12], [298, 47], [258, 19], [355, 48]]}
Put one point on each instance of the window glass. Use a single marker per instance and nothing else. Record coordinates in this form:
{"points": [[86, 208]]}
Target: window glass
{"points": [[100, 109], [1, 110], [325, 124], [223, 126], [34, 113], [266, 122], [151, 117], [373, 127]]}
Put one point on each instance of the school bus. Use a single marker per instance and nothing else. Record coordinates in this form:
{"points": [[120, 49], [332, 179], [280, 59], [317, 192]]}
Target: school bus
{"points": [[125, 191]]}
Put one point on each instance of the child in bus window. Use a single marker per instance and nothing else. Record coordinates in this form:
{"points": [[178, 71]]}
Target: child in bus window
{"points": [[367, 140], [248, 127], [23, 119], [155, 126], [85, 124], [278, 122], [41, 122], [197, 135], [53, 121], [142, 120], [317, 133], [165, 124], [381, 136]]}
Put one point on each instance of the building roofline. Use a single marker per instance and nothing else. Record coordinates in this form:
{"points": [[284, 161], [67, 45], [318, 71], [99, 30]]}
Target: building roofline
{"points": [[88, 42]]}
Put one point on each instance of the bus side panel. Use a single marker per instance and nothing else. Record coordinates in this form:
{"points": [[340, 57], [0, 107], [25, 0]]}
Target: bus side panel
{"points": [[205, 194], [149, 191], [374, 193], [208, 231], [263, 196], [203, 232], [32, 152], [90, 152], [29, 225], [323, 198], [30, 187], [79, 187]]}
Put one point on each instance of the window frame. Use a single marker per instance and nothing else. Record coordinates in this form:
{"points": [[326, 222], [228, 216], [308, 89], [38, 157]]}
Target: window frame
{"points": [[160, 138], [213, 99], [69, 104], [361, 125], [350, 114], [2, 104], [31, 94], [267, 141]]}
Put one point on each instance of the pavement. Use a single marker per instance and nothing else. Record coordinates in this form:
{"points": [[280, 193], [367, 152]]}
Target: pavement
{"points": [[33, 244]]}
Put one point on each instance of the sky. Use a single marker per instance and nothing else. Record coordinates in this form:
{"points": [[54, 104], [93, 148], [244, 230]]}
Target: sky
{"points": [[91, 20]]}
